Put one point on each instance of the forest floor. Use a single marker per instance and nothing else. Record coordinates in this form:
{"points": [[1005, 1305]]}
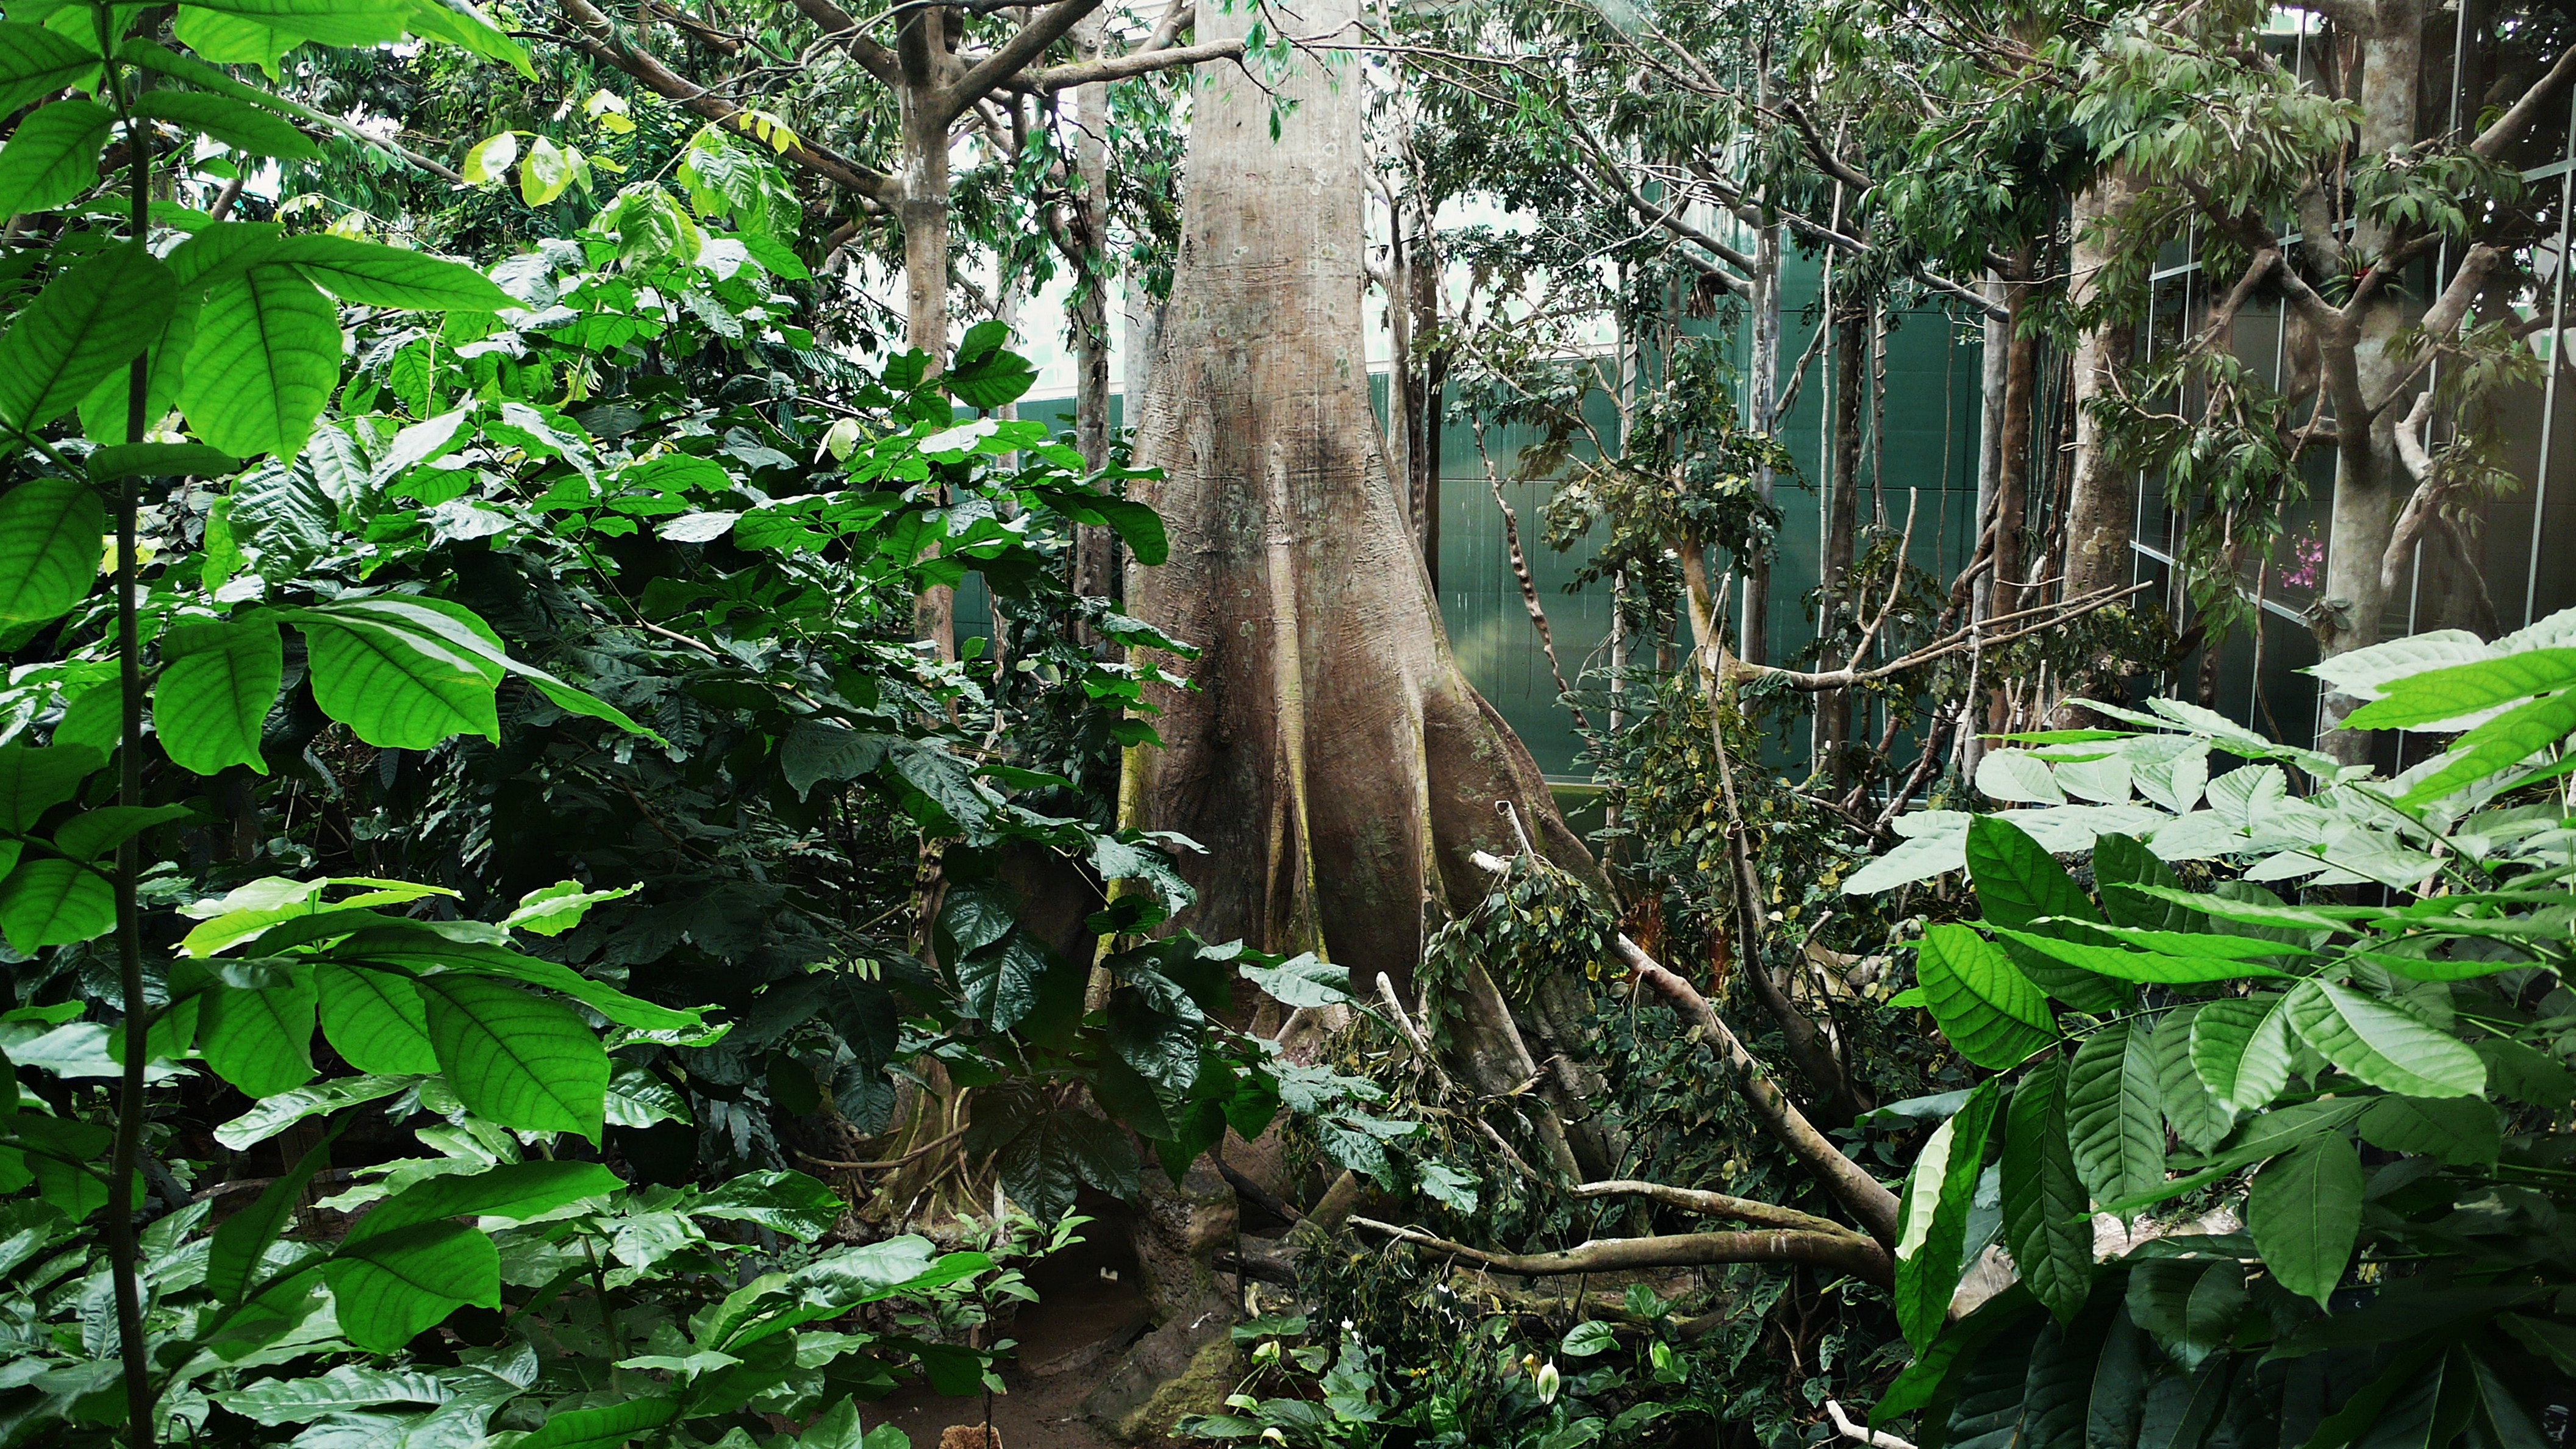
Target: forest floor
{"points": [[1088, 1311]]}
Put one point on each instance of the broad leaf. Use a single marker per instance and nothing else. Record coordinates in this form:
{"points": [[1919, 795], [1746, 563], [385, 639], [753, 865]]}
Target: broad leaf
{"points": [[260, 1040], [266, 357], [2383, 1045], [332, 22], [158, 460], [93, 833], [53, 156], [603, 1427], [2197, 1116], [396, 687], [236, 123], [50, 529], [2460, 1131], [2240, 1047], [2115, 1116], [36, 62], [516, 1191], [232, 1259], [1933, 1214], [53, 902], [2046, 1222], [87, 323], [36, 778], [2436, 695], [1302, 980], [2305, 1212], [374, 275], [391, 1287], [1989, 1011], [2126, 965], [515, 1057], [218, 682], [2500, 743], [2019, 884], [375, 1020]]}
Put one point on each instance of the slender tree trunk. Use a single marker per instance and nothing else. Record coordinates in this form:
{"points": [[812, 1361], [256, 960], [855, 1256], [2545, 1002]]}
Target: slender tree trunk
{"points": [[1990, 439], [1334, 761], [1095, 563], [1842, 518], [1425, 370], [2104, 496], [1763, 403], [924, 214], [2371, 483]]}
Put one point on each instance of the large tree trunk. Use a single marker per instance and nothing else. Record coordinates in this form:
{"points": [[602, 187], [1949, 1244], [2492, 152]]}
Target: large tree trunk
{"points": [[2371, 483], [1752, 635], [2104, 496], [1095, 562], [1334, 762], [924, 214], [1842, 528]]}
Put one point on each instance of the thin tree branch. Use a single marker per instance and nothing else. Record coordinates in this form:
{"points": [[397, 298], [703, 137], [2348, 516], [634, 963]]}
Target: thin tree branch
{"points": [[1120, 67], [1026, 44], [1714, 1205], [1849, 1252]]}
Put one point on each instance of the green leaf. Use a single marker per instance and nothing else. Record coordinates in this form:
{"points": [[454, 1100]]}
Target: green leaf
{"points": [[1591, 1336], [281, 1110], [2125, 860], [396, 687], [2126, 965], [158, 460], [425, 952], [603, 1427], [53, 902], [232, 1258], [50, 533], [373, 275], [375, 1021], [108, 407], [53, 156], [332, 22], [87, 323], [94, 833], [260, 1040], [2459, 1131], [545, 172], [2019, 884], [1302, 980], [1989, 1011], [2240, 1047], [265, 359], [2305, 1212], [467, 28], [2115, 1115], [347, 1387], [390, 1287], [36, 778], [1000, 981], [2499, 744], [233, 39], [2196, 1115], [2046, 1220], [1933, 1214], [514, 1190], [515, 1058], [555, 909], [218, 682], [2464, 689], [1155, 1028], [36, 62], [2382, 1045], [236, 123], [2191, 1305]]}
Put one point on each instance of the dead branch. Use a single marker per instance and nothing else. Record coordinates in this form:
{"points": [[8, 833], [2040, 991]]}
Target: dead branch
{"points": [[1848, 1252], [1714, 1205]]}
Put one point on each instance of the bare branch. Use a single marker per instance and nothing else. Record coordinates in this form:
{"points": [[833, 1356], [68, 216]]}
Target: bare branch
{"points": [[842, 27], [1850, 1184], [1121, 67], [1849, 1252], [1016, 54], [1860, 1433], [595, 37], [1714, 1205], [2517, 119]]}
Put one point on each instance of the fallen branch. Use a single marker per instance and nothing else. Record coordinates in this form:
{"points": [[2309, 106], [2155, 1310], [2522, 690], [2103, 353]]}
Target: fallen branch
{"points": [[1861, 1433], [1815, 681], [1848, 1252], [1849, 1183], [1715, 1205]]}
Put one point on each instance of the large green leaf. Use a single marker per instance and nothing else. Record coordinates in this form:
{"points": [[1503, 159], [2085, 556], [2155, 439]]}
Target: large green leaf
{"points": [[603, 1427], [1932, 1221], [2115, 1116], [36, 778], [2190, 1305], [2125, 860], [425, 952], [2195, 1113], [265, 359], [391, 1287], [2240, 1047], [2460, 1131], [515, 1057], [233, 39], [375, 1020], [281, 1110], [36, 62], [332, 22], [1000, 981], [463, 26], [516, 1191], [50, 532], [374, 275], [54, 902], [2046, 1222], [218, 683], [236, 123], [397, 687], [2020, 884], [2465, 689], [2305, 1212], [232, 1259], [2126, 965], [119, 461], [260, 1040], [87, 323], [452, 635], [107, 409], [2389, 1048], [1989, 1011], [2500, 744], [53, 156], [93, 833]]}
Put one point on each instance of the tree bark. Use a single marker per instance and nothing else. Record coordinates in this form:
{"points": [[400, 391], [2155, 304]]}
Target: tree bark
{"points": [[1752, 635], [1842, 529], [2104, 496], [1334, 762], [1095, 561]]}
